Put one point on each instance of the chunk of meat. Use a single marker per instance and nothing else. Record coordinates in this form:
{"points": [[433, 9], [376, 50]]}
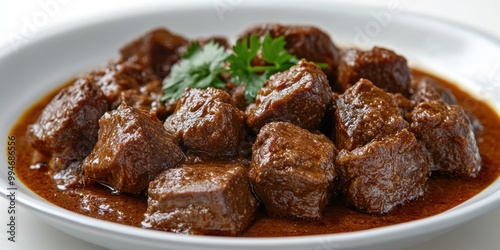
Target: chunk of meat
{"points": [[115, 78], [365, 113], [201, 199], [436, 124], [384, 173], [386, 69], [405, 105], [147, 97], [305, 42], [292, 170], [132, 149], [159, 49], [67, 128], [300, 95], [207, 121], [237, 93], [427, 90]]}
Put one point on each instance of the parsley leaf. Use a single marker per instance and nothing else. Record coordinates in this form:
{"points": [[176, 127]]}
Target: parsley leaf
{"points": [[274, 51], [240, 61], [201, 67], [198, 68], [245, 50], [253, 84]]}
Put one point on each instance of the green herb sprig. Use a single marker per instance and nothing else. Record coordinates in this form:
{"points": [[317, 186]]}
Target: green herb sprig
{"points": [[198, 68], [246, 49], [201, 67]]}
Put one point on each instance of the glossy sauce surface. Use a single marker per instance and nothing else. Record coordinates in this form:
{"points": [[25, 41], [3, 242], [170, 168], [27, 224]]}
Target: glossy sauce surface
{"points": [[442, 193]]}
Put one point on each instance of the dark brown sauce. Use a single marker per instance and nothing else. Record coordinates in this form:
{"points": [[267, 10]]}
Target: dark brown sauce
{"points": [[442, 193]]}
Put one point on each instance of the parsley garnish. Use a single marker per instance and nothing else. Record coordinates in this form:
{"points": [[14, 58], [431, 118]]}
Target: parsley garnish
{"points": [[273, 52], [198, 68], [201, 67]]}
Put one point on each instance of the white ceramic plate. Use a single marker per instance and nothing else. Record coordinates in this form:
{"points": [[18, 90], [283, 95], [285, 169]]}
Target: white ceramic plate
{"points": [[456, 53]]}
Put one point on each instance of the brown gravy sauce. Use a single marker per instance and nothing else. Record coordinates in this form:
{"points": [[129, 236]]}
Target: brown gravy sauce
{"points": [[442, 193]]}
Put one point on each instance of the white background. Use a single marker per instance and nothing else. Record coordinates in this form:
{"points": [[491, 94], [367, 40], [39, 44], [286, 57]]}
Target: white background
{"points": [[482, 15]]}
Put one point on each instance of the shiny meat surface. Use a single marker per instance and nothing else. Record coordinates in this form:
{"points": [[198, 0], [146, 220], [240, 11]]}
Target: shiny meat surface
{"points": [[238, 95], [131, 150], [404, 104], [384, 173], [68, 126], [299, 95], [158, 50], [132, 83], [365, 113], [436, 124], [427, 90], [292, 170], [147, 97], [201, 199], [386, 69], [207, 121]]}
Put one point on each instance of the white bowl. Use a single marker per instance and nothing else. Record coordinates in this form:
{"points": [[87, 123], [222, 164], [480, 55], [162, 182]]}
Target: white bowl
{"points": [[462, 55]]}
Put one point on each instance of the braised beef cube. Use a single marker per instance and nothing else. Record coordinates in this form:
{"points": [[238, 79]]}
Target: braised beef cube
{"points": [[384, 173], [365, 113], [159, 50], [67, 128], [237, 93], [132, 149], [131, 83], [147, 97], [405, 105], [428, 89], [477, 126], [447, 134], [299, 95], [201, 199], [207, 121], [292, 170], [386, 69], [305, 42], [115, 78]]}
